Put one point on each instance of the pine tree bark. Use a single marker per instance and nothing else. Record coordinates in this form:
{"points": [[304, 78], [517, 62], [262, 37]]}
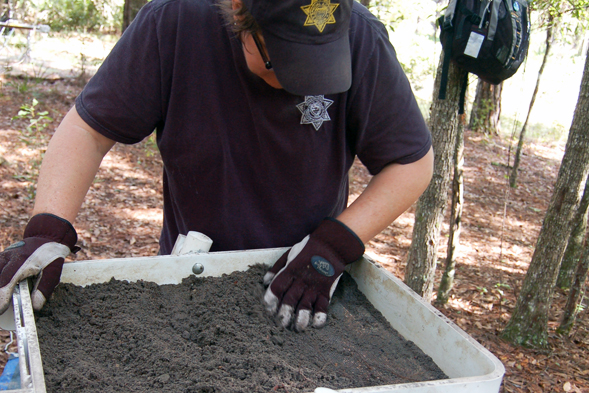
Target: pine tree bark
{"points": [[571, 309], [522, 134], [447, 281], [486, 108], [130, 10], [443, 123], [572, 254], [528, 325]]}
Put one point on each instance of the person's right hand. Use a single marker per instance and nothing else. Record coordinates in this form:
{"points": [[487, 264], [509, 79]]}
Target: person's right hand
{"points": [[302, 281], [47, 240]]}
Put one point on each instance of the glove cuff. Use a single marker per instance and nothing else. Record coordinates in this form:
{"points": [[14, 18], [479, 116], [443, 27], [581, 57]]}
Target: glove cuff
{"points": [[341, 239], [54, 228]]}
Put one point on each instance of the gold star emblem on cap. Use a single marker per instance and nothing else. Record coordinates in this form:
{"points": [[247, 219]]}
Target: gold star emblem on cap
{"points": [[319, 13]]}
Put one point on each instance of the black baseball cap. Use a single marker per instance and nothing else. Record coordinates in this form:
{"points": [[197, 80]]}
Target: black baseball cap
{"points": [[307, 42]]}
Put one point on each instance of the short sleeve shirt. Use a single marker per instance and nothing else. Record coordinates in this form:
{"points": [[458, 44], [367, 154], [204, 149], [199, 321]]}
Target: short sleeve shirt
{"points": [[248, 165]]}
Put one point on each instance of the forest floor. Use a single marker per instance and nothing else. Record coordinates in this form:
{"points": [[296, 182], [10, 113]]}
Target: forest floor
{"points": [[122, 215]]}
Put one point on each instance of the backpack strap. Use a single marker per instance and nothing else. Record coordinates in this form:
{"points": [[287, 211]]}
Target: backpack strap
{"points": [[463, 87], [495, 17], [446, 24], [446, 63], [518, 33], [472, 16], [448, 18]]}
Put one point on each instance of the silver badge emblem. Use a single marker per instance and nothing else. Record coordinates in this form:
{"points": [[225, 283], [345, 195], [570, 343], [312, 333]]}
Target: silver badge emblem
{"points": [[314, 110]]}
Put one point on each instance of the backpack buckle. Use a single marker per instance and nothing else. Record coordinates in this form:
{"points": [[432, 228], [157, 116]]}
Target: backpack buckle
{"points": [[475, 19]]}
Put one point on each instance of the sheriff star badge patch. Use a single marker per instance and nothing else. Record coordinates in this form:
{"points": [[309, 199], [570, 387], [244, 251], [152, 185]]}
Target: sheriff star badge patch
{"points": [[314, 110]]}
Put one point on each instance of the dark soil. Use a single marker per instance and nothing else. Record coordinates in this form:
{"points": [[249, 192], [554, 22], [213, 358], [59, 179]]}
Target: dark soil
{"points": [[213, 335]]}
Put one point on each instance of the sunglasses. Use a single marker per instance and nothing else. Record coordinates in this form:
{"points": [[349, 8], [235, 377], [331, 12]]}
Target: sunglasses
{"points": [[262, 51]]}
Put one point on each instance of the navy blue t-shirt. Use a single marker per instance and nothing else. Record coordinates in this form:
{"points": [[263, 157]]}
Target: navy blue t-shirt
{"points": [[249, 165]]}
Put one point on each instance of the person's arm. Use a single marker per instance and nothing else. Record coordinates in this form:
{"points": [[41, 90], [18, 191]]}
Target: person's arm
{"points": [[70, 164], [387, 196]]}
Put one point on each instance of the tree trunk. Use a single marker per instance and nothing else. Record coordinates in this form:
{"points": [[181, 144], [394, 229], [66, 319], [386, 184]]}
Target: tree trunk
{"points": [[529, 322], [447, 281], [574, 248], [520, 143], [4, 11], [130, 10], [421, 263], [486, 108], [572, 307]]}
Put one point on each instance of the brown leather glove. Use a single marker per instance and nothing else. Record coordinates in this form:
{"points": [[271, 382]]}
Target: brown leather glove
{"points": [[47, 240], [302, 281]]}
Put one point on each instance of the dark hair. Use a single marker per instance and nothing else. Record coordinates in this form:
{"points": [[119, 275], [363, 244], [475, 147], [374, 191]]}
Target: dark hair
{"points": [[239, 20]]}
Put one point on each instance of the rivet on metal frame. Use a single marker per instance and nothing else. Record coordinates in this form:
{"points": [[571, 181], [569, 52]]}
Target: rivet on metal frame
{"points": [[198, 268]]}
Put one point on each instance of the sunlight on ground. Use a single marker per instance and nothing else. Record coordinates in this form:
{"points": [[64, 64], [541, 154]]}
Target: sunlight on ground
{"points": [[460, 304], [113, 163], [550, 152], [514, 259], [153, 215], [15, 154], [382, 259], [379, 248], [60, 55]]}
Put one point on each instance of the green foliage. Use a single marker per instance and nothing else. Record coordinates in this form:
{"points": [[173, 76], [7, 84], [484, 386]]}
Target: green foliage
{"points": [[22, 86], [499, 288], [36, 139], [81, 15], [570, 14], [387, 11], [72, 15], [150, 145], [37, 120], [30, 175], [482, 290]]}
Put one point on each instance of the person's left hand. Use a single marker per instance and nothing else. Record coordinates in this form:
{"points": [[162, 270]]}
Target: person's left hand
{"points": [[302, 281]]}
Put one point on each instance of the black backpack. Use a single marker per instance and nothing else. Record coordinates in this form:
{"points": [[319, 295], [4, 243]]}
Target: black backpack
{"points": [[488, 38]]}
